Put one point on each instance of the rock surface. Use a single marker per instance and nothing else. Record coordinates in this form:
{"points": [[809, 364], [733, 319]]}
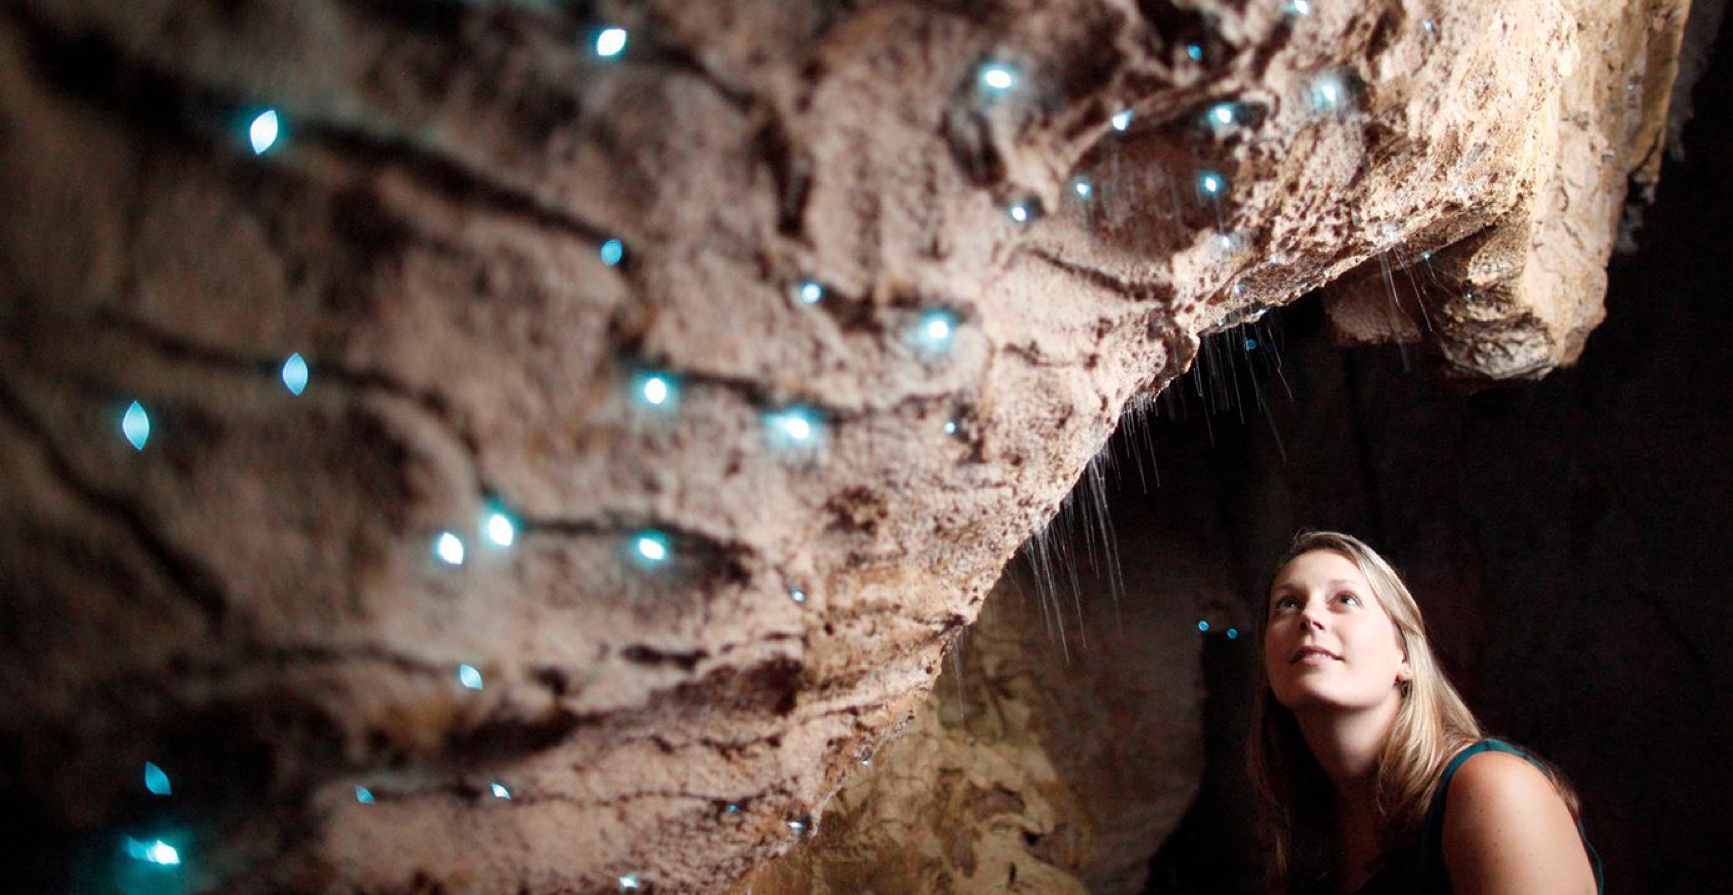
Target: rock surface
{"points": [[252, 600]]}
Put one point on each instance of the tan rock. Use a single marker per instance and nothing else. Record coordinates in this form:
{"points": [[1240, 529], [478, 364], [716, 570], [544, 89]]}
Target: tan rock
{"points": [[253, 600]]}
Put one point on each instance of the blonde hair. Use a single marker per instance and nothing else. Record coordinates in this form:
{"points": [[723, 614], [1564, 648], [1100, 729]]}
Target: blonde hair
{"points": [[1432, 725]]}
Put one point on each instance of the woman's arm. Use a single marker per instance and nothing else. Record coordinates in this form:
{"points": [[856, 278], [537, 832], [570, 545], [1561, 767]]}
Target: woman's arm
{"points": [[1507, 832]]}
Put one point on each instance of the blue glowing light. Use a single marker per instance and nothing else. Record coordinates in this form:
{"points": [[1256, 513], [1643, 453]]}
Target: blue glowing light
{"points": [[809, 292], [1221, 114], [1121, 120], [1233, 633], [797, 826], [499, 528], [1251, 344], [156, 780], [797, 595], [794, 425], [135, 425], [1211, 183], [610, 42], [500, 792], [1082, 187], [468, 676], [363, 795], [950, 427], [613, 251], [733, 809], [1195, 51], [1328, 92], [1299, 7], [629, 883], [1429, 26], [651, 546], [937, 327], [263, 131], [1203, 626], [155, 852], [1019, 212], [657, 389], [1426, 255], [997, 78], [295, 374], [449, 548]]}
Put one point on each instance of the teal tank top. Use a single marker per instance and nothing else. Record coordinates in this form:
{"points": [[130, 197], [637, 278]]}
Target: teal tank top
{"points": [[1420, 869]]}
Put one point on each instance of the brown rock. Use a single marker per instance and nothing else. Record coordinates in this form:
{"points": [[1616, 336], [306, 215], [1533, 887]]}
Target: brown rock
{"points": [[252, 601]]}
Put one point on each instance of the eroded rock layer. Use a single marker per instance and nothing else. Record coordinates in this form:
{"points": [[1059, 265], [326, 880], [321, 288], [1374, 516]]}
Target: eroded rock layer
{"points": [[482, 234]]}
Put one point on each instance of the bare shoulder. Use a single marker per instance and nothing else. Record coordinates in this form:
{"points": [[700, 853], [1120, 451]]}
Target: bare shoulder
{"points": [[1507, 831]]}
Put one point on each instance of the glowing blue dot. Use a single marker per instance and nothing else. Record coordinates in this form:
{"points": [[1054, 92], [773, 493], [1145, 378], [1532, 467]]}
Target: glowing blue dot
{"points": [[733, 809], [135, 425], [263, 131], [363, 795], [998, 78], [449, 548], [936, 329], [1121, 120], [1251, 344], [468, 676], [155, 852], [1226, 241], [156, 780], [1222, 113], [613, 251], [797, 826], [1211, 183], [794, 425], [1203, 626], [1429, 26], [1426, 255], [1019, 213], [1299, 7], [652, 546], [1233, 633], [656, 390], [499, 528], [295, 374], [500, 792], [1195, 51], [610, 42], [629, 883], [1082, 187], [797, 595], [810, 292], [1328, 92], [950, 427]]}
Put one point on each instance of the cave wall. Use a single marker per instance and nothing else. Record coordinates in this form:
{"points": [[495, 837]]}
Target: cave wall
{"points": [[479, 234], [1563, 538]]}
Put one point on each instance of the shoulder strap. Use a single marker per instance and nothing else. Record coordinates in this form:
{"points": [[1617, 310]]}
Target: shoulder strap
{"points": [[1432, 834]]}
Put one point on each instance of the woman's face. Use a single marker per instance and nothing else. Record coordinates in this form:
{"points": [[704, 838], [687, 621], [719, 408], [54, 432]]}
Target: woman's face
{"points": [[1321, 600]]}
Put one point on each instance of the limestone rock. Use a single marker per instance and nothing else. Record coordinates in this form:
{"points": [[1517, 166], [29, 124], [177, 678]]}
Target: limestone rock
{"points": [[252, 600]]}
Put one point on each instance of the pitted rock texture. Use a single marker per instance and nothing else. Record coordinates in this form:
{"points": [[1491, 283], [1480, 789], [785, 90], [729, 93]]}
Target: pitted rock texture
{"points": [[252, 600], [1060, 745]]}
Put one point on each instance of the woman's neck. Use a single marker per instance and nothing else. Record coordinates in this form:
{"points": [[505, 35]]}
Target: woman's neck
{"points": [[1347, 746]]}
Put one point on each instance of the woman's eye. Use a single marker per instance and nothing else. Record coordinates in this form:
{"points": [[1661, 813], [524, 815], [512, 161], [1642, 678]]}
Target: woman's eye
{"points": [[1350, 597]]}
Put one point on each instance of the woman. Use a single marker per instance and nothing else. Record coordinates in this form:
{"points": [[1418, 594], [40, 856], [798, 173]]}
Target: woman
{"points": [[1375, 773]]}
